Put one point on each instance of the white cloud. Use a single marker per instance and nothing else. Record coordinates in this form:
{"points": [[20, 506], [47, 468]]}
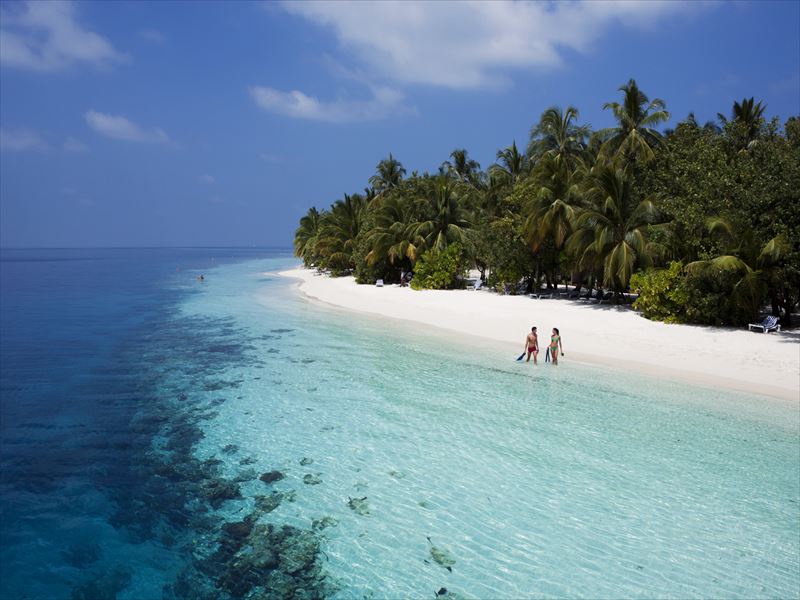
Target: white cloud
{"points": [[72, 145], [45, 36], [120, 128], [209, 179], [20, 140], [467, 44], [384, 102]]}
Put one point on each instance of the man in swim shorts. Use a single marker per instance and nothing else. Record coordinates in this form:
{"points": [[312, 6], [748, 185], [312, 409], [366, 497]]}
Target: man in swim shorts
{"points": [[532, 345]]}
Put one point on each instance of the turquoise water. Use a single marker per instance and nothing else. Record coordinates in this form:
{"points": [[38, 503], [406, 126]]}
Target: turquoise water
{"points": [[136, 425], [568, 481]]}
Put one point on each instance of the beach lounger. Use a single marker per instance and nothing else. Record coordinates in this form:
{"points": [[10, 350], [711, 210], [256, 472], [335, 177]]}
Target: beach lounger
{"points": [[542, 296], [379, 283], [770, 323], [476, 286]]}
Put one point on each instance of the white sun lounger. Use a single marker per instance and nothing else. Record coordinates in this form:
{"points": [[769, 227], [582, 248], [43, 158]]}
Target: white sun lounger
{"points": [[768, 324]]}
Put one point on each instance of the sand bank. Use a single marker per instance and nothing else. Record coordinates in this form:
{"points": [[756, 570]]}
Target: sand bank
{"points": [[716, 357]]}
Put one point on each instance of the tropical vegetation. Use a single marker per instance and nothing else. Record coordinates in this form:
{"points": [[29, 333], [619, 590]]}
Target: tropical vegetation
{"points": [[701, 221]]}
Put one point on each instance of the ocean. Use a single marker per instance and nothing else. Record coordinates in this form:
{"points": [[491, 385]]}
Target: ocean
{"points": [[165, 437]]}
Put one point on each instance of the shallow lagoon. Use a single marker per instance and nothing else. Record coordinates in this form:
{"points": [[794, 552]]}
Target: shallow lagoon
{"points": [[567, 481], [402, 452]]}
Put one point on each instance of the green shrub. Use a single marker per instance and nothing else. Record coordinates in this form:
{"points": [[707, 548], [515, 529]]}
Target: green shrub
{"points": [[675, 296], [710, 299], [662, 293], [440, 270]]}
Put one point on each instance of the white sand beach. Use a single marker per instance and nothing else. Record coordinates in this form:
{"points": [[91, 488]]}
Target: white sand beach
{"points": [[767, 364]]}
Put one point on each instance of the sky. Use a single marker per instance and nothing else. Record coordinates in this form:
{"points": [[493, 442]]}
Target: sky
{"points": [[219, 124]]}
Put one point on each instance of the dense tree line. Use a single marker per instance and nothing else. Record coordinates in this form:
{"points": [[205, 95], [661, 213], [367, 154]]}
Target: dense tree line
{"points": [[703, 221]]}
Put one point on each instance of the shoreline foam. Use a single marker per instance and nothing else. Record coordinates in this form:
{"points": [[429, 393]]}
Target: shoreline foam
{"points": [[720, 358]]}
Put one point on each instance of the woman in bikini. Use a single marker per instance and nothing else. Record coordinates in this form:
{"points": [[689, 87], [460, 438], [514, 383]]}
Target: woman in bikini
{"points": [[555, 345]]}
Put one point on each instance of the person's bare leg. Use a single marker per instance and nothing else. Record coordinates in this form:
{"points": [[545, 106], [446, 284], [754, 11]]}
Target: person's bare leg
{"points": [[554, 354], [535, 356]]}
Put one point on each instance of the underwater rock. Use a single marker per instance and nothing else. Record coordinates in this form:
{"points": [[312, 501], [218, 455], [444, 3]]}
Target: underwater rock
{"points": [[247, 460], [246, 475], [238, 579], [279, 586], [271, 476], [230, 449], [312, 479], [298, 551], [397, 474], [359, 505], [306, 461], [238, 530], [324, 523], [256, 562], [441, 557], [281, 330], [273, 351], [266, 504], [212, 463], [218, 491], [448, 594], [104, 587], [290, 496], [261, 549]]}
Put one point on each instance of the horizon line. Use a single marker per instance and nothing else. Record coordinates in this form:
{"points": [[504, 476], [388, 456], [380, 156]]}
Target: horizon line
{"points": [[289, 247]]}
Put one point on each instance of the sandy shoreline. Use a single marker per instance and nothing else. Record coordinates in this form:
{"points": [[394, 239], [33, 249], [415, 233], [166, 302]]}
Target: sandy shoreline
{"points": [[712, 357]]}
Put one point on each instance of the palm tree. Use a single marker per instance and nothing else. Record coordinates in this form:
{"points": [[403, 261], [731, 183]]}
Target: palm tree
{"points": [[461, 166], [757, 269], [394, 235], [551, 211], [305, 237], [750, 114], [633, 138], [388, 174], [613, 229], [446, 220], [511, 163], [338, 231], [557, 136]]}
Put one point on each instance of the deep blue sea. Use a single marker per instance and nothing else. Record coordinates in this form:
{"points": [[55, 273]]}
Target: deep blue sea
{"points": [[85, 335], [164, 437]]}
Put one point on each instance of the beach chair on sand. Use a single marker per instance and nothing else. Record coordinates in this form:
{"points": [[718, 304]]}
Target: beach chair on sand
{"points": [[379, 283], [541, 295], [476, 286], [770, 323]]}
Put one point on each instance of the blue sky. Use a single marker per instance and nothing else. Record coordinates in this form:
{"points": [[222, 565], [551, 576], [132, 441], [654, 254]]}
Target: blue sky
{"points": [[148, 124]]}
